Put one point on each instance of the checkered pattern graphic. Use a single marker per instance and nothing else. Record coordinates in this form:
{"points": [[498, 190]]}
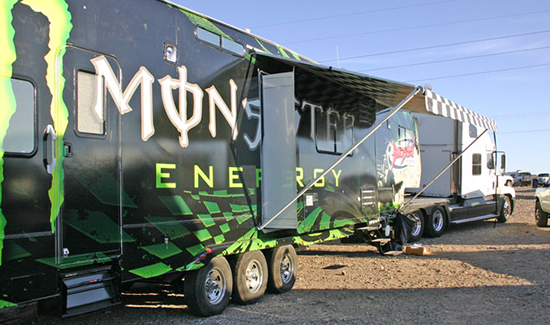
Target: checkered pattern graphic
{"points": [[440, 105]]}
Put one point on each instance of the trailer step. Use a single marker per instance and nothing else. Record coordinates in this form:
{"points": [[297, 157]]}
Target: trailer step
{"points": [[368, 228], [90, 290], [381, 241]]}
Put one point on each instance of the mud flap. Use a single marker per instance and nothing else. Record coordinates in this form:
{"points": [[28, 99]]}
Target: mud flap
{"points": [[402, 227]]}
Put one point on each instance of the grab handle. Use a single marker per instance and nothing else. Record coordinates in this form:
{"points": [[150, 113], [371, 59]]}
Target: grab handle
{"points": [[49, 149]]}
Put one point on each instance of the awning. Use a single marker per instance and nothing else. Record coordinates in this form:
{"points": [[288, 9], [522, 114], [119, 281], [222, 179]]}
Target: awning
{"points": [[386, 92], [439, 105]]}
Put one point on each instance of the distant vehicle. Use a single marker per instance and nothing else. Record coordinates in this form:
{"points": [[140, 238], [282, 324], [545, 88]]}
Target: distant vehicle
{"points": [[542, 204], [542, 179], [522, 178]]}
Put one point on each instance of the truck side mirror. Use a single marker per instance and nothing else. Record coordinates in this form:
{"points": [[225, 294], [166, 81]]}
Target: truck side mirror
{"points": [[503, 163]]}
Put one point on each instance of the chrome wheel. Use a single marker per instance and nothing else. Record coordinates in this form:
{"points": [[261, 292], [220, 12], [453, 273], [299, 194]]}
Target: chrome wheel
{"points": [[506, 209], [286, 268], [254, 276], [438, 220], [417, 228], [215, 286]]}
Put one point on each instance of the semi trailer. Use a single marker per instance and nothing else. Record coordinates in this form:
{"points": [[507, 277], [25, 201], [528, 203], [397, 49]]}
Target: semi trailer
{"points": [[140, 140]]}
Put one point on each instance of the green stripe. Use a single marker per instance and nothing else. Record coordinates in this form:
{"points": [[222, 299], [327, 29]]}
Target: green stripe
{"points": [[163, 250], [57, 12], [4, 304], [8, 106], [152, 271]]}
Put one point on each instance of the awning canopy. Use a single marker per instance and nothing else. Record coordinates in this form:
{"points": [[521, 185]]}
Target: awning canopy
{"points": [[386, 92], [439, 105]]}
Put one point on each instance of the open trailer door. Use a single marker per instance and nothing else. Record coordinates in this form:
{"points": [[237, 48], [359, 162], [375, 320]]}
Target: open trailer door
{"points": [[278, 158]]}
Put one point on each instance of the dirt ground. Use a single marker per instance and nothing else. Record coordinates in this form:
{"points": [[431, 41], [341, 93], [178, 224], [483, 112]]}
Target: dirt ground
{"points": [[478, 273]]}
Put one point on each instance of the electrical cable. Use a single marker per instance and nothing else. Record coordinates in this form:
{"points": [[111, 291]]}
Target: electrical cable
{"points": [[353, 14], [481, 72], [415, 27], [457, 59], [438, 46]]}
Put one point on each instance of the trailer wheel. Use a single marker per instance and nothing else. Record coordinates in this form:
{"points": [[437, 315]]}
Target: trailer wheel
{"points": [[505, 211], [435, 223], [249, 277], [540, 216], [208, 290], [283, 266], [418, 228]]}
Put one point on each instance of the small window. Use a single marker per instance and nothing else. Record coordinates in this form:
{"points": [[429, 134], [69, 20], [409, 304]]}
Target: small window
{"points": [[344, 134], [490, 161], [476, 164], [232, 46], [325, 131], [87, 119], [219, 41], [473, 131], [20, 136], [333, 133], [208, 37]]}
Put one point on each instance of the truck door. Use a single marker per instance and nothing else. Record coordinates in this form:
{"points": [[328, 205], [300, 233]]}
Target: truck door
{"points": [[90, 220], [278, 150]]}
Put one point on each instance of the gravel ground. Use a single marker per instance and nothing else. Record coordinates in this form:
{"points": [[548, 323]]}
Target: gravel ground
{"points": [[477, 273]]}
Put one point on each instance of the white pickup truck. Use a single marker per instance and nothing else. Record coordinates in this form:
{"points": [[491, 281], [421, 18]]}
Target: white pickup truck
{"points": [[542, 205]]}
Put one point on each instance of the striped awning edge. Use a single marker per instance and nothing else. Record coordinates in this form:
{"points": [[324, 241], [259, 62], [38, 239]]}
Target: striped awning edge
{"points": [[439, 105]]}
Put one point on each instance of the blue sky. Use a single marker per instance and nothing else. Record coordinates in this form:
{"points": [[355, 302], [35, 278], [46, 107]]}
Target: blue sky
{"points": [[517, 98]]}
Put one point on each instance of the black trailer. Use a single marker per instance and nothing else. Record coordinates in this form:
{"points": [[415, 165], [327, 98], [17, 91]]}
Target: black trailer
{"points": [[140, 140]]}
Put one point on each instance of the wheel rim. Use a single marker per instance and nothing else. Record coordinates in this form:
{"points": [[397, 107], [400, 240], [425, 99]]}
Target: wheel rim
{"points": [[286, 268], [215, 286], [506, 209], [254, 276], [537, 213], [417, 224], [437, 220]]}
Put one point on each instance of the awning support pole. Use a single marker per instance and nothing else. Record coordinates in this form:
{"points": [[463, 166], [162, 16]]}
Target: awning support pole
{"points": [[442, 172], [397, 108]]}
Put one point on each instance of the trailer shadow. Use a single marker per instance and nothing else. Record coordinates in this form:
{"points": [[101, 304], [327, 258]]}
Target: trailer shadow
{"points": [[456, 305]]}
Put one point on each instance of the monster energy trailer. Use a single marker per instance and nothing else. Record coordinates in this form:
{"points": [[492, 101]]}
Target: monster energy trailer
{"points": [[143, 141]]}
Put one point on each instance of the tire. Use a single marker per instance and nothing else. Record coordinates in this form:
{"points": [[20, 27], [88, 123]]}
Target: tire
{"points": [[250, 274], [208, 289], [418, 228], [541, 217], [436, 223], [505, 210], [283, 266]]}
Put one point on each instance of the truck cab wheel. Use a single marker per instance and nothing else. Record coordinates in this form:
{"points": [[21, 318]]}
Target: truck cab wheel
{"points": [[505, 211], [283, 265], [249, 277], [435, 223], [208, 289], [418, 227]]}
